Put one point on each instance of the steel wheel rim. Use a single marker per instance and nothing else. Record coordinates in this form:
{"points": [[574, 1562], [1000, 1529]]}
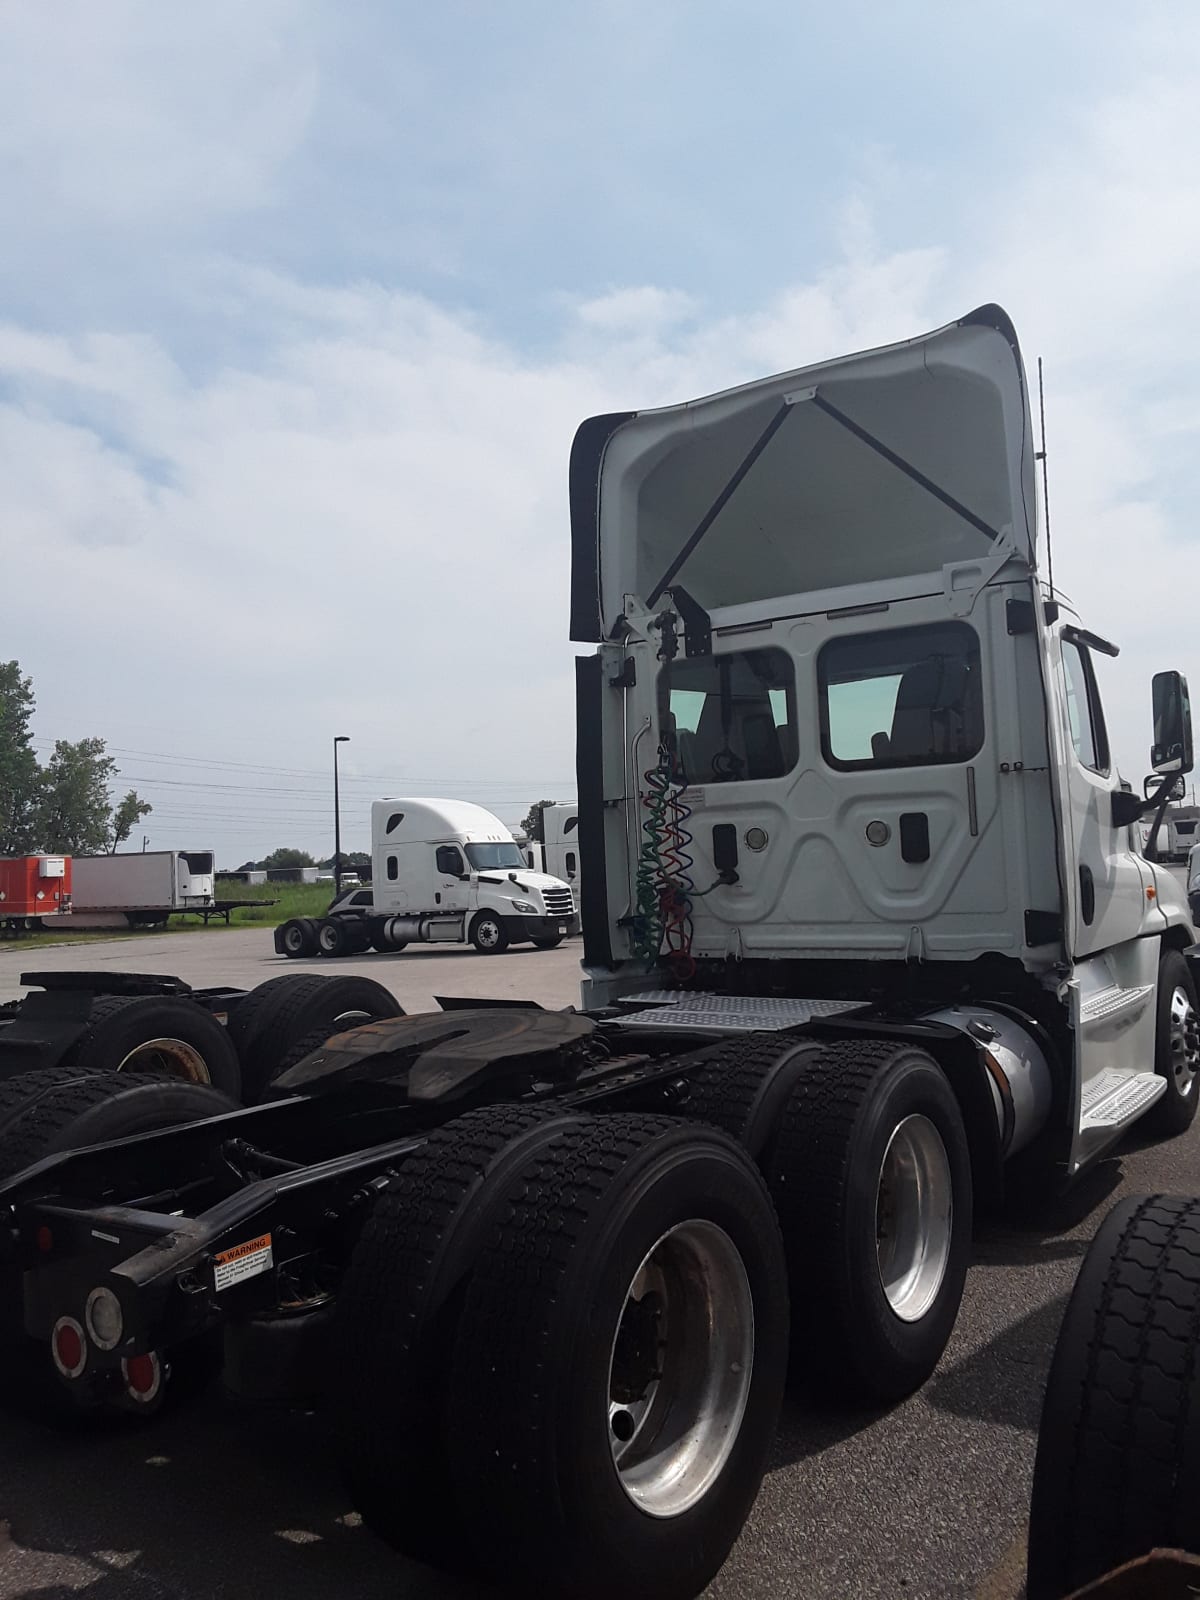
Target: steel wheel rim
{"points": [[680, 1367], [1185, 1042], [488, 934], [175, 1057], [914, 1214], [293, 939]]}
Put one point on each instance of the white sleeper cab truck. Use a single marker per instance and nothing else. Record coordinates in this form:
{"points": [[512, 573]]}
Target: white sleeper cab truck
{"points": [[443, 872], [557, 851]]}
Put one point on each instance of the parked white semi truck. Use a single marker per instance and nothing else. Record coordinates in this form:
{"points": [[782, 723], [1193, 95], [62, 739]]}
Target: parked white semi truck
{"points": [[557, 851], [442, 872]]}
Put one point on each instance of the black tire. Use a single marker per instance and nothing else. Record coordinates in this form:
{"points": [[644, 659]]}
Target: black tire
{"points": [[1176, 1049], [42, 1113], [743, 1086], [272, 1018], [548, 944], [333, 937], [1118, 1458], [358, 938], [825, 1177], [537, 1362], [299, 937], [397, 1314], [488, 934], [157, 1033]]}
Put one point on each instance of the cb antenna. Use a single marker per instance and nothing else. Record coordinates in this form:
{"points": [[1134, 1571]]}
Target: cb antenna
{"points": [[1041, 456]]}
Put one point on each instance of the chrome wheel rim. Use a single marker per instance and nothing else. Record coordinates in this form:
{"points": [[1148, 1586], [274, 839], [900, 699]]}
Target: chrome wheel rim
{"points": [[680, 1367], [1185, 1043], [175, 1057], [914, 1213], [488, 934]]}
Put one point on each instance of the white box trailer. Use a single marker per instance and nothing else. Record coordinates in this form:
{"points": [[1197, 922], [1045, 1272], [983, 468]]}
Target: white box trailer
{"points": [[142, 888]]}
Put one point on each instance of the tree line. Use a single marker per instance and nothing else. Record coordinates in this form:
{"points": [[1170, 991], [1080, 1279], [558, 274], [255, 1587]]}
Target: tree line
{"points": [[66, 806], [301, 858]]}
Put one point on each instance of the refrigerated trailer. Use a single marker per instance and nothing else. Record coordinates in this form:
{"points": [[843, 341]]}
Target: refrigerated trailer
{"points": [[140, 888], [868, 943]]}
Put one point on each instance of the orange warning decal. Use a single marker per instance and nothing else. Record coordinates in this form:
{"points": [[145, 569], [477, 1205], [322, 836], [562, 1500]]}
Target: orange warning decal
{"points": [[242, 1261], [263, 1242]]}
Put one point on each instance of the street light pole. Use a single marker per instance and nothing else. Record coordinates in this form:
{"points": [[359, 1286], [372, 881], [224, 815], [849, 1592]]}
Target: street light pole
{"points": [[340, 738]]}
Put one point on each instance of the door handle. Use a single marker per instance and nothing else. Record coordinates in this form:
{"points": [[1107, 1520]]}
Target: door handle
{"points": [[1087, 895], [914, 836]]}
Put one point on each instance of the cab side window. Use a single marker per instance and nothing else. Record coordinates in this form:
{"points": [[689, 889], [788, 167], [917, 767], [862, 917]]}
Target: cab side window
{"points": [[1084, 711], [449, 860]]}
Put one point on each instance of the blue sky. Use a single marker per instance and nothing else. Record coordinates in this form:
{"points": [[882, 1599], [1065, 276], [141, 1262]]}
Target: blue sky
{"points": [[300, 305]]}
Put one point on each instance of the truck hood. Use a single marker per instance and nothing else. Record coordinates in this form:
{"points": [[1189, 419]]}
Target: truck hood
{"points": [[896, 463], [526, 880]]}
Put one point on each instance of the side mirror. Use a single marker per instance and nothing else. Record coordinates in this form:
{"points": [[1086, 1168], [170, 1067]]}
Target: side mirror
{"points": [[1172, 747], [1153, 785]]}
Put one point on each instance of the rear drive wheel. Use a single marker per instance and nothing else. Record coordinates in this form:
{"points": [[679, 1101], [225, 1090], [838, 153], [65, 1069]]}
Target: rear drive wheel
{"points": [[1118, 1456], [332, 939], [268, 1021], [742, 1086], [1176, 1048], [299, 937], [488, 934], [620, 1363], [397, 1315], [162, 1034], [871, 1174], [43, 1114]]}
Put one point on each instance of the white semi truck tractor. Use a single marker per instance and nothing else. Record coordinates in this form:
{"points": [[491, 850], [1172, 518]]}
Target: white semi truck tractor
{"points": [[442, 872]]}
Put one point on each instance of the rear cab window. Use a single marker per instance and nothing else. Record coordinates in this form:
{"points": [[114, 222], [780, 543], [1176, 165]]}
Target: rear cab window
{"points": [[732, 718], [904, 697]]}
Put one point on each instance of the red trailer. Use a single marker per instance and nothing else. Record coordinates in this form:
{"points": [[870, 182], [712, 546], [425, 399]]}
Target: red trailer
{"points": [[32, 887]]}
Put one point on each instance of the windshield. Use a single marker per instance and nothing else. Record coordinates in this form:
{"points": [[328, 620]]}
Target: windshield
{"points": [[488, 857]]}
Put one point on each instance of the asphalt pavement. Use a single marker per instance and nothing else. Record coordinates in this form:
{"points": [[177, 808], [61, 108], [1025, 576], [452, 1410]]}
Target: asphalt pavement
{"points": [[925, 1499]]}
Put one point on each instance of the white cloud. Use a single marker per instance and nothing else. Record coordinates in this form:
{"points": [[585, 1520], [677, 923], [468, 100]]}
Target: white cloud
{"points": [[135, 111]]}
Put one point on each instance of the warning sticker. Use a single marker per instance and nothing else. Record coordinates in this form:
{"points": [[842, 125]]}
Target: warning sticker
{"points": [[242, 1261]]}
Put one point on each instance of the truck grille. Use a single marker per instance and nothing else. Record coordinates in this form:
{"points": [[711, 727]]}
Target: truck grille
{"points": [[559, 902]]}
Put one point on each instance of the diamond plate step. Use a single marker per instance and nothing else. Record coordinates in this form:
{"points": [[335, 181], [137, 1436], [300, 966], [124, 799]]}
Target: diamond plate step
{"points": [[1114, 1098], [1112, 1001], [676, 1008]]}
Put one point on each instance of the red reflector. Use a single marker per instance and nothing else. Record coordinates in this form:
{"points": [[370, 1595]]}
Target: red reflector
{"points": [[141, 1374], [68, 1348], [44, 1239]]}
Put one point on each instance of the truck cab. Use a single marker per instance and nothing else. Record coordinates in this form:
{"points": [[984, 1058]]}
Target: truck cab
{"points": [[839, 739], [454, 870], [557, 851]]}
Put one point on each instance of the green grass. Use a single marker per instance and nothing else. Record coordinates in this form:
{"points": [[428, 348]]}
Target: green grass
{"points": [[292, 900]]}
